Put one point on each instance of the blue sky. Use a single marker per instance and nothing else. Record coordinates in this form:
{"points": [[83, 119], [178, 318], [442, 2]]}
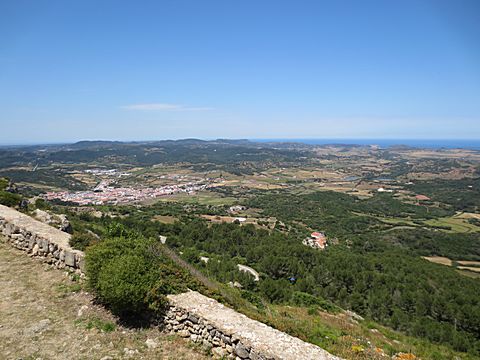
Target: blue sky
{"points": [[138, 70]]}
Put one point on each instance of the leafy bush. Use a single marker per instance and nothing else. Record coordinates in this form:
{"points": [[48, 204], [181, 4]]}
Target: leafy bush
{"points": [[9, 199], [128, 274], [96, 323], [275, 291], [81, 241], [3, 184], [303, 299], [105, 326], [253, 298], [42, 204], [124, 282]]}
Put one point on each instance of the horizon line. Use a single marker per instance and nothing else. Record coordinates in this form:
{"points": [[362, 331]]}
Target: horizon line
{"points": [[263, 139]]}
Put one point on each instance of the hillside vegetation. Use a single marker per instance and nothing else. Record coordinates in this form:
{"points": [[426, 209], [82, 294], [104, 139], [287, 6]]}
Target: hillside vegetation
{"points": [[385, 281]]}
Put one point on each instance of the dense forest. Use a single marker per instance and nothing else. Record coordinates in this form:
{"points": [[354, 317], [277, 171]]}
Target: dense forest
{"points": [[339, 214], [236, 157], [462, 195], [377, 280]]}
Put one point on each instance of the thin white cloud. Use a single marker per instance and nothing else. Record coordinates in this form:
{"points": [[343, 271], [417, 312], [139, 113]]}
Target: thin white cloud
{"points": [[163, 107]]}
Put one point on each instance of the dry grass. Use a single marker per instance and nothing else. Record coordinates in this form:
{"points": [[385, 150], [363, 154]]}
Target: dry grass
{"points": [[469, 268], [467, 215], [456, 224], [261, 185], [40, 317], [248, 220], [444, 154], [466, 270], [466, 263], [166, 219], [439, 260]]}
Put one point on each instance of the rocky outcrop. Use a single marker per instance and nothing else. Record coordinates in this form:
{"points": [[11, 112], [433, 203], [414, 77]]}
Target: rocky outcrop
{"points": [[249, 270], [39, 239], [11, 187], [229, 334], [59, 221]]}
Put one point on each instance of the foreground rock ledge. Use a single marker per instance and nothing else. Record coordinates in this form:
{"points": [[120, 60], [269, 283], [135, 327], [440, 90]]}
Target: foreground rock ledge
{"points": [[231, 334], [39, 239]]}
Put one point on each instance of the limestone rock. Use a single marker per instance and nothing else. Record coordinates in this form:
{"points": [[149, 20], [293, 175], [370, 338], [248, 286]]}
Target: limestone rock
{"points": [[42, 216], [192, 318], [39, 327], [81, 311], [206, 345], [151, 344], [242, 351], [353, 315], [219, 352], [61, 221], [184, 333], [130, 352], [65, 225], [69, 258], [35, 250]]}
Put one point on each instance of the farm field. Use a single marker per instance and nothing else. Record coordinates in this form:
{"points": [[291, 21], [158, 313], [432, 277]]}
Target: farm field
{"points": [[464, 267], [202, 198], [469, 263], [166, 219], [469, 268], [439, 260], [456, 224]]}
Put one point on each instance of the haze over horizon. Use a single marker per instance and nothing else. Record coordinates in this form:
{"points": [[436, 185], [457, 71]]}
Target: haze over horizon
{"points": [[216, 69]]}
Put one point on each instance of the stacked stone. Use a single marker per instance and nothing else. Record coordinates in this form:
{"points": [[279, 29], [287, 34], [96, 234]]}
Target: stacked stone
{"points": [[36, 245], [199, 331], [229, 334]]}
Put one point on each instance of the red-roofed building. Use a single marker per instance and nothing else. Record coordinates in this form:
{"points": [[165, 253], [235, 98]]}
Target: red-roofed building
{"points": [[422, 198], [316, 240]]}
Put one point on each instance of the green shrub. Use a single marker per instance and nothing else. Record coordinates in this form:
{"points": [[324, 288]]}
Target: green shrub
{"points": [[117, 270], [3, 184], [130, 276], [253, 298], [124, 282], [105, 326], [275, 291], [81, 241], [9, 199], [42, 204], [303, 299], [96, 323]]}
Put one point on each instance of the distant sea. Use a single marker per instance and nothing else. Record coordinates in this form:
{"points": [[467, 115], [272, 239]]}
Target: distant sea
{"points": [[385, 143]]}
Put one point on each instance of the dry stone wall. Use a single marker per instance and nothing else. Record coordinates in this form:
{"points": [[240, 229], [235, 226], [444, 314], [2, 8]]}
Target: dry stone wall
{"points": [[225, 332], [232, 335], [39, 239]]}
